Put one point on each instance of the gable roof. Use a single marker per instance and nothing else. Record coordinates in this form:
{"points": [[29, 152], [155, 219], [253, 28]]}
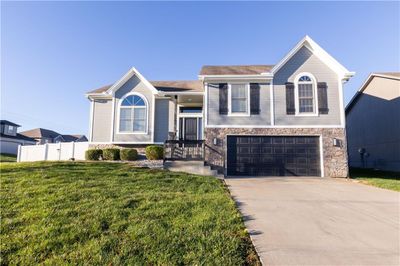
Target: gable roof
{"points": [[18, 136], [101, 89], [167, 86], [226, 71], [126, 77], [70, 138], [38, 133], [178, 86], [394, 75], [235, 70], [6, 122], [389, 75], [320, 53]]}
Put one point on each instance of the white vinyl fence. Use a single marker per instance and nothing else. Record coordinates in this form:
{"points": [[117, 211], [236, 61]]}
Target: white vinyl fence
{"points": [[62, 151]]}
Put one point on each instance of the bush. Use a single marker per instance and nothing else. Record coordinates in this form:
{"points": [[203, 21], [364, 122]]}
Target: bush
{"points": [[93, 154], [111, 154], [154, 152], [129, 154]]}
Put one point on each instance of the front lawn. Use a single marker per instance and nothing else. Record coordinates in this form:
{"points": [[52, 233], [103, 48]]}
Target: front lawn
{"points": [[382, 179], [115, 214], [5, 157]]}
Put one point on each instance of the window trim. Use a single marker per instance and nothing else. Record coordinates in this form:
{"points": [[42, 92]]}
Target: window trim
{"points": [[296, 95], [9, 130], [247, 87], [146, 107]]}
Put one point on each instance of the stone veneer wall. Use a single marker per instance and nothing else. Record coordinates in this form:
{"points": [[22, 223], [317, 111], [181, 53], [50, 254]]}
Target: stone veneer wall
{"points": [[139, 148], [335, 158]]}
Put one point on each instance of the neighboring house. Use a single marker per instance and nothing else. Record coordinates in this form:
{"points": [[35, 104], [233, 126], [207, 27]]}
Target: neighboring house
{"points": [[258, 120], [373, 123], [70, 138], [43, 136], [10, 139]]}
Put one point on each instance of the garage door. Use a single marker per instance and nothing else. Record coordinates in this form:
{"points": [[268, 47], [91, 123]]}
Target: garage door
{"points": [[273, 156]]}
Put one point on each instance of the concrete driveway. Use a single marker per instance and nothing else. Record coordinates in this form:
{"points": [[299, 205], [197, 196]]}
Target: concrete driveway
{"points": [[319, 221]]}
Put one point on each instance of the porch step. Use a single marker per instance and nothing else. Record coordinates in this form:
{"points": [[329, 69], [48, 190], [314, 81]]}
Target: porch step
{"points": [[191, 167]]}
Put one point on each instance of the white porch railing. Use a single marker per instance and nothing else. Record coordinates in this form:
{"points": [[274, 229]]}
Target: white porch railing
{"points": [[62, 151]]}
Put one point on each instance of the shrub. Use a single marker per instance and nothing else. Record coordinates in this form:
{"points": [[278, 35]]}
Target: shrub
{"points": [[129, 154], [111, 154], [154, 152], [93, 154]]}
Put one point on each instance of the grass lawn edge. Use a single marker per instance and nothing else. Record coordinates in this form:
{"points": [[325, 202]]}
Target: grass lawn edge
{"points": [[252, 252], [377, 178], [8, 158], [45, 171]]}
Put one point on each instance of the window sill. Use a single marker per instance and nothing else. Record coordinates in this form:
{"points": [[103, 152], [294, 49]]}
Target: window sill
{"points": [[132, 133], [307, 114], [238, 114]]}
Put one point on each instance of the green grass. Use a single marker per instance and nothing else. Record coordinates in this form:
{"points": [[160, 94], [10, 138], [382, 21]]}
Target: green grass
{"points": [[5, 157], [115, 214], [382, 179]]}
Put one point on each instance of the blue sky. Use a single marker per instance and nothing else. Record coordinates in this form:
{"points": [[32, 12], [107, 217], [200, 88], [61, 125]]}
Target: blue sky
{"points": [[52, 53]]}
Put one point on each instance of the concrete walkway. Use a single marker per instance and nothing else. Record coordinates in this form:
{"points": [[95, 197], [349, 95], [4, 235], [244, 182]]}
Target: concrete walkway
{"points": [[191, 167], [319, 221]]}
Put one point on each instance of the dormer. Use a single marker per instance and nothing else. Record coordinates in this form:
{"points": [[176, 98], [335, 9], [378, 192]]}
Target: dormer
{"points": [[8, 128]]}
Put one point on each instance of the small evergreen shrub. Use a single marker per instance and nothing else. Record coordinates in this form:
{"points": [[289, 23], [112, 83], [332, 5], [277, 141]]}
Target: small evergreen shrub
{"points": [[111, 154], [154, 152], [93, 154], [129, 154]]}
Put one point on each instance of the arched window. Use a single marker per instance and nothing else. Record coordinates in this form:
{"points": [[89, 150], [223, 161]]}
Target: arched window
{"points": [[133, 114], [305, 94]]}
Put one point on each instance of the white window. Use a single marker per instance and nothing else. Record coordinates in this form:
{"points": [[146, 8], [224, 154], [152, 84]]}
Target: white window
{"points": [[305, 95], [239, 98], [133, 115], [9, 130]]}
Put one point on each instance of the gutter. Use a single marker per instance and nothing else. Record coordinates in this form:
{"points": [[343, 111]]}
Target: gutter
{"points": [[92, 96]]}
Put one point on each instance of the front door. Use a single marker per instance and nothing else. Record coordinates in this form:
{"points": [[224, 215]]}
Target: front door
{"points": [[190, 132]]}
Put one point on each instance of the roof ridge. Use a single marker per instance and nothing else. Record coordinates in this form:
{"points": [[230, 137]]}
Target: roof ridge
{"points": [[239, 65], [177, 80]]}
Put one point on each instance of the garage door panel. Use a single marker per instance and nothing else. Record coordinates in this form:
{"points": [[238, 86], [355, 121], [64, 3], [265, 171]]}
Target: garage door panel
{"points": [[273, 156], [290, 140], [277, 140]]}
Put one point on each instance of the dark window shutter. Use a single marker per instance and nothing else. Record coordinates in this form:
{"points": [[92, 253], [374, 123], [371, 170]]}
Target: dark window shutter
{"points": [[290, 107], [223, 98], [322, 98], [254, 98]]}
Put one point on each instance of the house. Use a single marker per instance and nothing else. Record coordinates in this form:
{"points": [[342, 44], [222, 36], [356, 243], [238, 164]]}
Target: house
{"points": [[43, 136], [10, 139], [250, 120], [373, 123]]}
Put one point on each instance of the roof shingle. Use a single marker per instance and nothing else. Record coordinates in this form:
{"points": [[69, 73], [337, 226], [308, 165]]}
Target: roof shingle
{"points": [[6, 122], [389, 74], [178, 85], [102, 89], [167, 86], [38, 133], [18, 136], [235, 70], [196, 85]]}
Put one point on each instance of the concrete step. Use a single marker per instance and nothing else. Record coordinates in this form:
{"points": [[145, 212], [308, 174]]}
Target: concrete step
{"points": [[192, 167]]}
